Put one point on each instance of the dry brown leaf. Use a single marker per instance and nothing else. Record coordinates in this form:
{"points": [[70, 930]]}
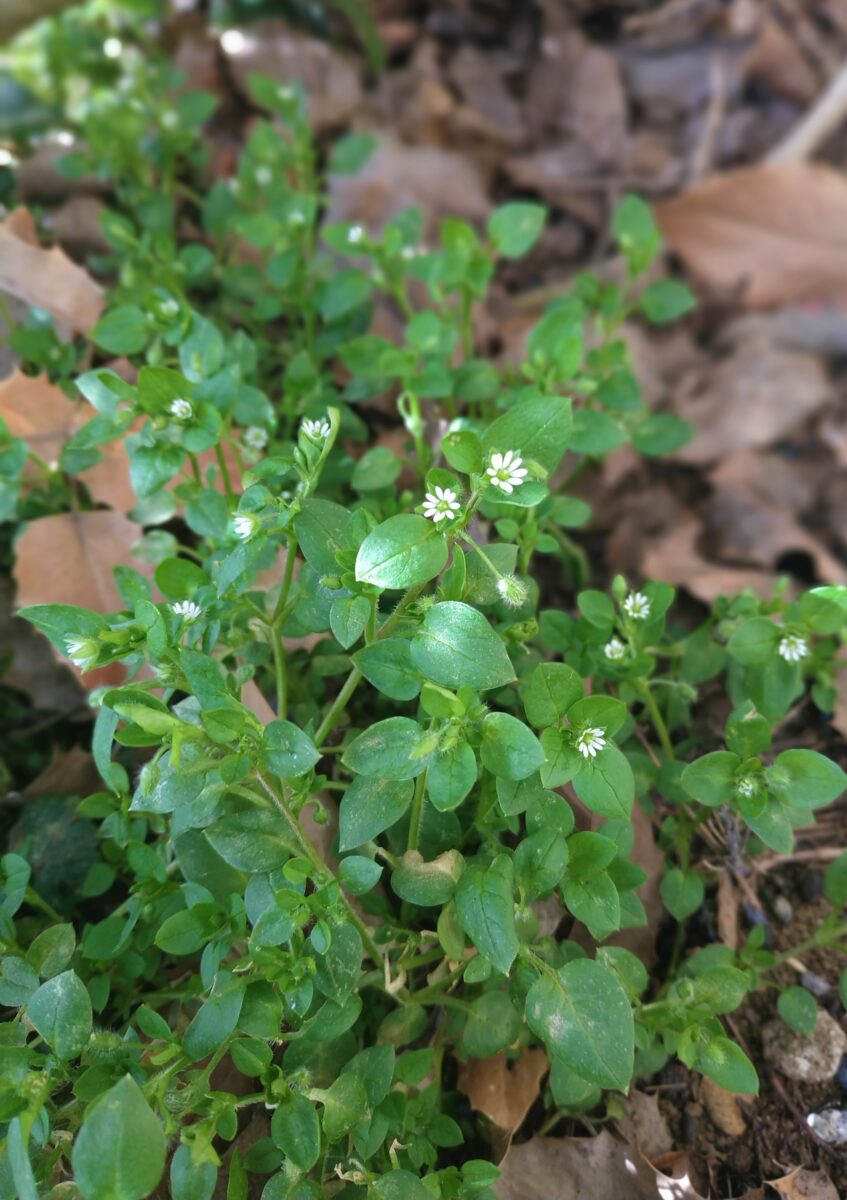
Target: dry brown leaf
{"points": [[45, 418], [745, 526], [752, 398], [48, 279], [396, 176], [805, 1185], [504, 1091], [330, 80], [675, 558], [69, 771], [69, 559], [603, 1167], [723, 1107], [773, 234]]}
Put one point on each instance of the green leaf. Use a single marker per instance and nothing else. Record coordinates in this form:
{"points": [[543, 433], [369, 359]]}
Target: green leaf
{"points": [[598, 608], [321, 528], [191, 1180], [358, 874], [387, 664], [582, 1014], [119, 1153], [345, 1104], [287, 750], [661, 433], [122, 331], [665, 300], [549, 692], [400, 1185], [388, 750], [711, 779], [514, 228], [540, 862], [52, 950], [346, 291], [509, 749], [595, 432], [451, 776], [401, 552], [682, 892], [605, 784], [728, 1065], [348, 619], [377, 468], [798, 1008], [754, 642], [60, 1010], [369, 807], [493, 1025], [636, 233], [806, 778], [595, 902], [486, 909], [216, 1019], [430, 884], [337, 971], [350, 153], [455, 645], [295, 1129], [538, 429], [835, 881]]}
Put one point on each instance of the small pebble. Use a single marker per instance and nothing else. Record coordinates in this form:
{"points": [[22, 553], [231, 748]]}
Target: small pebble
{"points": [[816, 984], [830, 1125], [811, 885], [783, 910]]}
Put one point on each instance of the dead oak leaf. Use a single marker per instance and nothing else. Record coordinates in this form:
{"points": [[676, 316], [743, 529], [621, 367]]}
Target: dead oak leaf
{"points": [[804, 1185], [47, 279], [504, 1091], [42, 415], [635, 1164], [773, 234], [69, 558]]}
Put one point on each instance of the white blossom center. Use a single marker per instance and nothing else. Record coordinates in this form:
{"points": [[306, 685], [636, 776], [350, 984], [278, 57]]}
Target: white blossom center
{"points": [[441, 505], [504, 471]]}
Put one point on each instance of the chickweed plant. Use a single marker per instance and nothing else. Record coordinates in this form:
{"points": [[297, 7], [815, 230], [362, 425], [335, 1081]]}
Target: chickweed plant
{"points": [[305, 918]]}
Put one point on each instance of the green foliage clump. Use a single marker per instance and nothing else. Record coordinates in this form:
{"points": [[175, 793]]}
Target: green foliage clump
{"points": [[232, 950]]}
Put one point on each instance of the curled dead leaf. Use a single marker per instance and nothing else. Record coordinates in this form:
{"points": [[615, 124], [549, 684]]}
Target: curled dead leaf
{"points": [[48, 279], [723, 1107], [772, 234]]}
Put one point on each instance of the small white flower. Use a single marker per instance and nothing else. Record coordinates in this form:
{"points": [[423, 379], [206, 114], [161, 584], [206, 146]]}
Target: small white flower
{"points": [[170, 119], [82, 651], [637, 606], [263, 176], [793, 647], [441, 504], [590, 741], [297, 217], [285, 93], [181, 409], [408, 252], [187, 609], [256, 437], [355, 234], [614, 649], [745, 787], [512, 591], [245, 525], [318, 430], [169, 309], [113, 47], [505, 471]]}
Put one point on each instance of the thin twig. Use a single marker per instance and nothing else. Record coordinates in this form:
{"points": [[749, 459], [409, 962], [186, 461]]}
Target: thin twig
{"points": [[822, 119]]}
